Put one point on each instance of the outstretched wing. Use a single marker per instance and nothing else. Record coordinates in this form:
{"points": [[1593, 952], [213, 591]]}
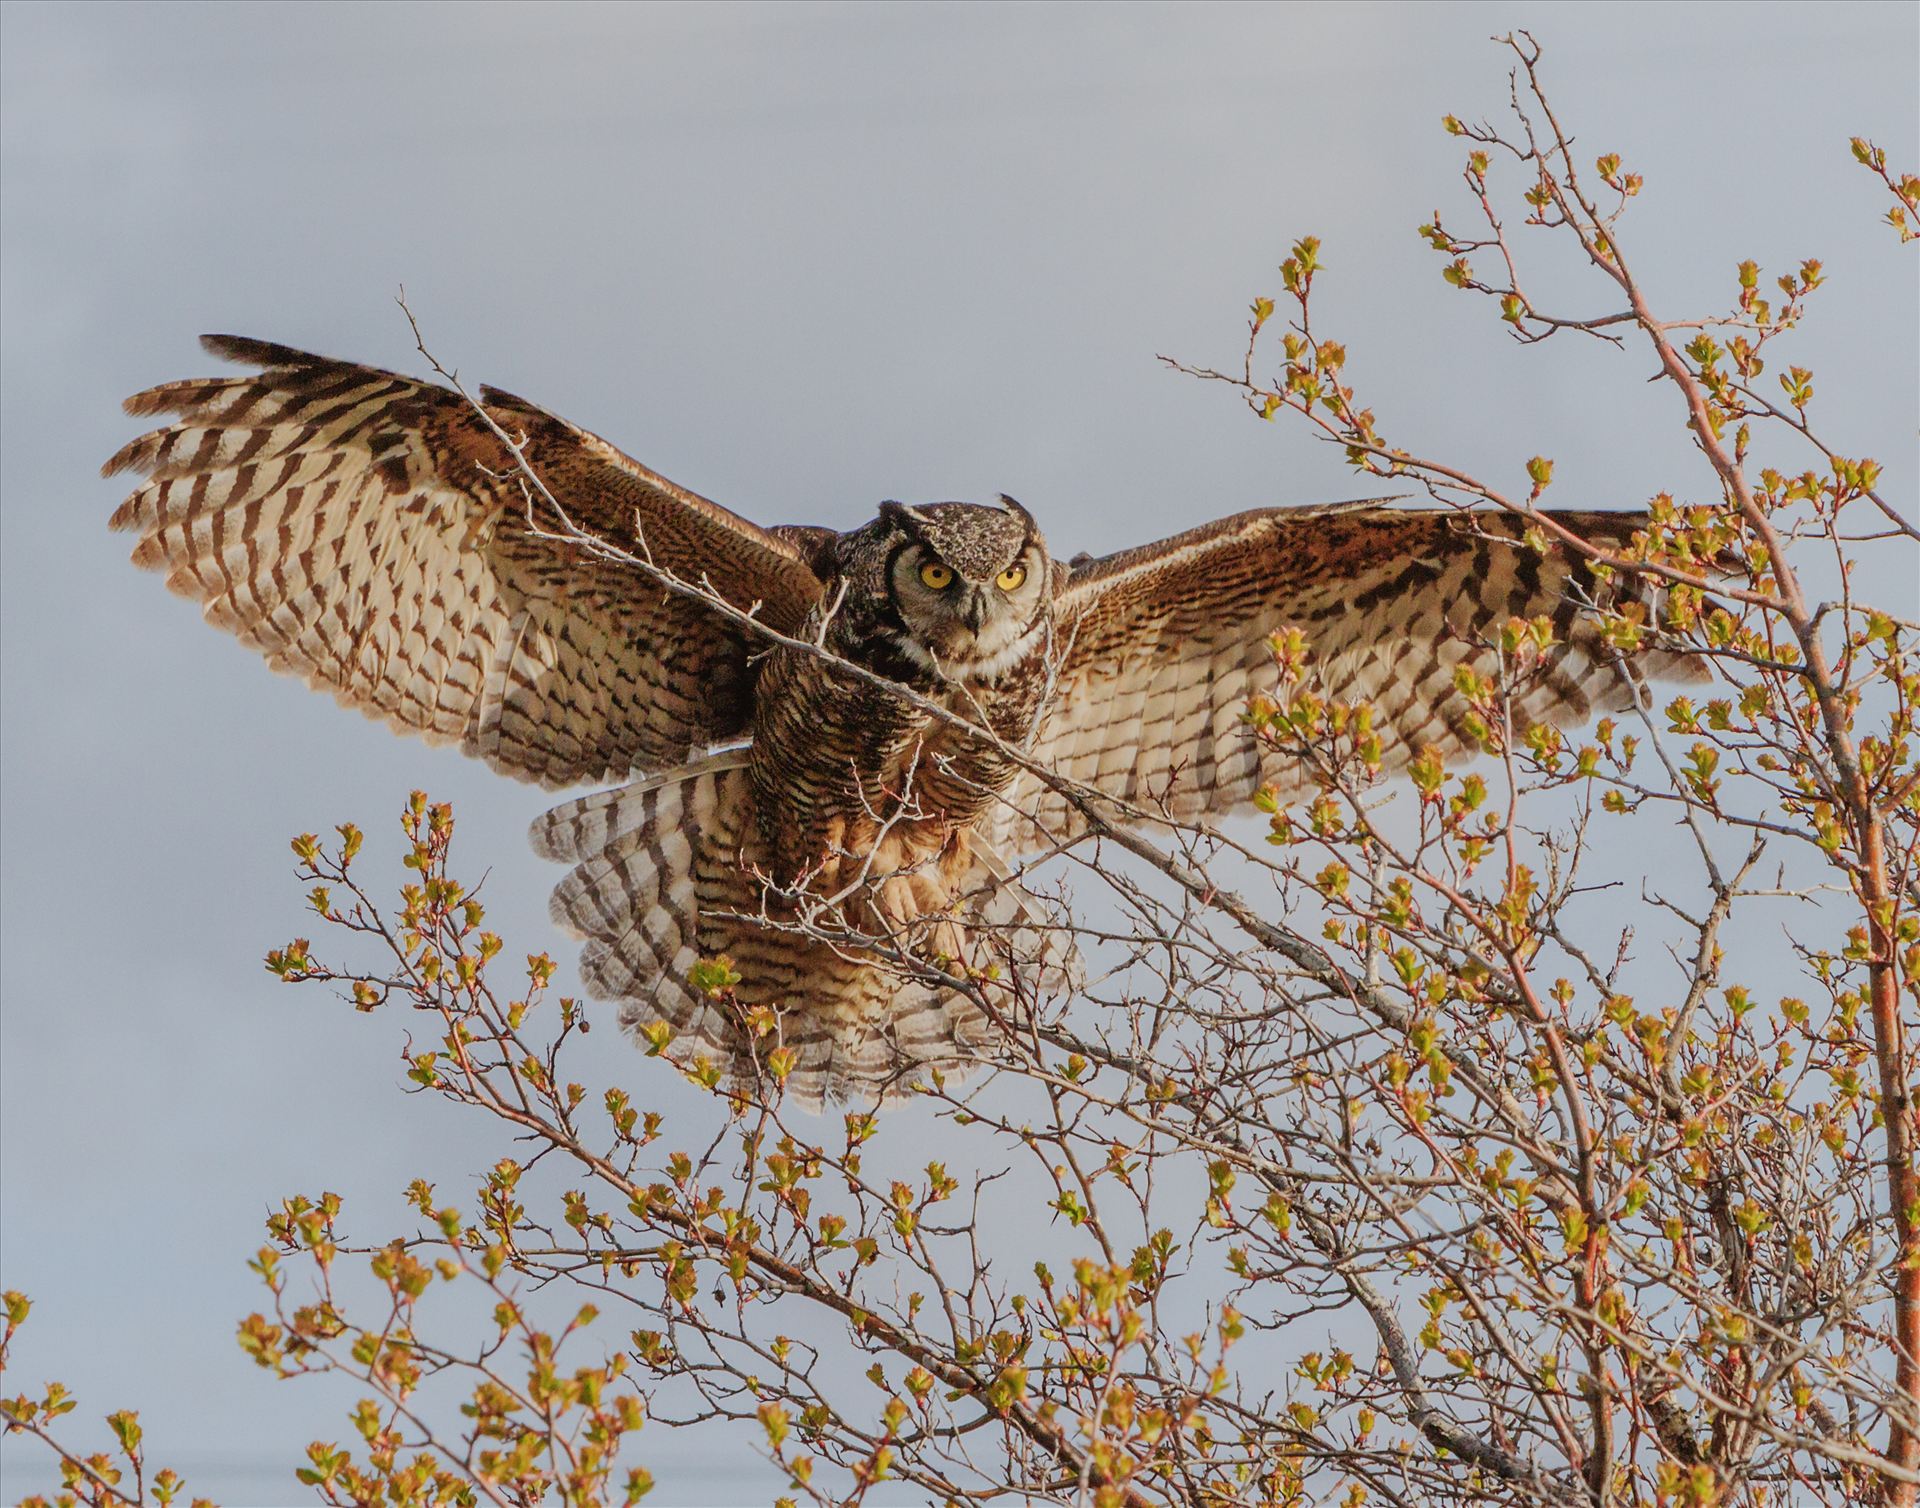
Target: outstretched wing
{"points": [[368, 532], [1165, 644]]}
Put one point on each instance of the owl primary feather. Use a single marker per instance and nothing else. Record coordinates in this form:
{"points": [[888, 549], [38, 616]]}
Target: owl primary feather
{"points": [[847, 848]]}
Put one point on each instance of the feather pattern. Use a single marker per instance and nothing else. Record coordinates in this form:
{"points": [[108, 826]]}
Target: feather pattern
{"points": [[367, 532], [1165, 644], [671, 870]]}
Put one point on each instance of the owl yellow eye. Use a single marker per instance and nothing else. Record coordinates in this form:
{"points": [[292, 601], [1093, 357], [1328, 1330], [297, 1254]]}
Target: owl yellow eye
{"points": [[935, 575], [1009, 580]]}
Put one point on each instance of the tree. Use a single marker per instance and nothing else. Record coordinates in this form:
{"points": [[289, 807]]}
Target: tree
{"points": [[1379, 1167]]}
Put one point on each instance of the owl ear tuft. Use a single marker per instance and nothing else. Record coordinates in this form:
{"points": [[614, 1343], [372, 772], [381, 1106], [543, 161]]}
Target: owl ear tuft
{"points": [[894, 513], [1012, 506]]}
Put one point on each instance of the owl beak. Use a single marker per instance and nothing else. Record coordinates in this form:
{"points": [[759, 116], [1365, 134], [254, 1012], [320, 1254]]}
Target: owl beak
{"points": [[975, 612]]}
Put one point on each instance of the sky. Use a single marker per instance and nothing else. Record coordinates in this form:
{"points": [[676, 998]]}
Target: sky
{"points": [[800, 258]]}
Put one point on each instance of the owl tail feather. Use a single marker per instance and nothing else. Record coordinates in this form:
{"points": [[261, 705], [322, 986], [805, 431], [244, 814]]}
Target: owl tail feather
{"points": [[632, 897], [588, 826], [668, 875]]}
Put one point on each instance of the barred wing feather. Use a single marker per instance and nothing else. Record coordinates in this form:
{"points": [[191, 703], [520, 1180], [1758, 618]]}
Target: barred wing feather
{"points": [[368, 532], [1167, 642]]}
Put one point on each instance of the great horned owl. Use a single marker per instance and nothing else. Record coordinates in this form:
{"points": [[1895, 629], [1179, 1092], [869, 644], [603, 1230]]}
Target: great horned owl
{"points": [[368, 532]]}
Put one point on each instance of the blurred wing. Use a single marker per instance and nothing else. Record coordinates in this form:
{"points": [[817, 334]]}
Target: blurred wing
{"points": [[1168, 641], [367, 532]]}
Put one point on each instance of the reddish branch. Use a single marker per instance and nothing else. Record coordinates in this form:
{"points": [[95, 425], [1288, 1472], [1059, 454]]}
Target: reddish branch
{"points": [[1854, 794]]}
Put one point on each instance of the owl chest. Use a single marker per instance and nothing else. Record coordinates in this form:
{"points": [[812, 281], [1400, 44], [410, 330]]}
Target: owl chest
{"points": [[837, 763]]}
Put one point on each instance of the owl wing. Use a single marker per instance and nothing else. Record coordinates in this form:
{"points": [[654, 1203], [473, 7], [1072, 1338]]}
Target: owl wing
{"points": [[368, 532], [1164, 644]]}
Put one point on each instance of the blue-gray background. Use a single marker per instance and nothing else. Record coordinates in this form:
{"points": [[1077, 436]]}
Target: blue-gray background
{"points": [[800, 259]]}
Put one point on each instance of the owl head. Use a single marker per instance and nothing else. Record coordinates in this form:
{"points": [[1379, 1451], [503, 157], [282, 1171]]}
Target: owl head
{"points": [[970, 587]]}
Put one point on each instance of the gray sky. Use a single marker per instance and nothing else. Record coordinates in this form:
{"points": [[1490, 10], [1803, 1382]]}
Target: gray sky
{"points": [[799, 259]]}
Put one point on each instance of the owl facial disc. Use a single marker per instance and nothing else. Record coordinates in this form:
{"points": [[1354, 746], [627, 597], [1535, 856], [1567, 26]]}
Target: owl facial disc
{"points": [[970, 585]]}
